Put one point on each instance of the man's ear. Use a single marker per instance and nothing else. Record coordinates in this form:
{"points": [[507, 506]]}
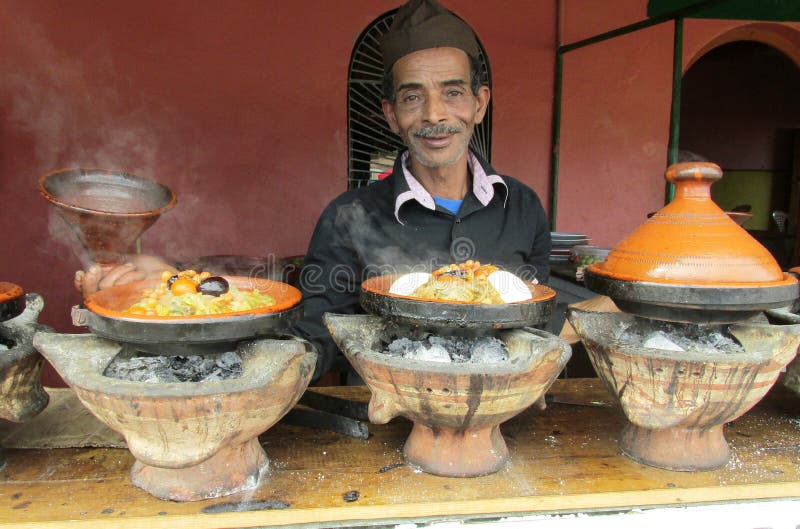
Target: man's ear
{"points": [[482, 102], [388, 113]]}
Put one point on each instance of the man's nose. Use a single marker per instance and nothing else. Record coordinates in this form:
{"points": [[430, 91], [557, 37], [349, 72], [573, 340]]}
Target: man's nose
{"points": [[435, 110]]}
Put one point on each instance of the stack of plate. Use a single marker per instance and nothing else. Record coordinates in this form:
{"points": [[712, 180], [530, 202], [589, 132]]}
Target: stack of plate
{"points": [[563, 243]]}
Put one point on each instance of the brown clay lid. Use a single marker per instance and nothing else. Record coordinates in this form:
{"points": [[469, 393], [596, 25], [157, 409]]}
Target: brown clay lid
{"points": [[691, 254], [691, 241], [107, 210]]}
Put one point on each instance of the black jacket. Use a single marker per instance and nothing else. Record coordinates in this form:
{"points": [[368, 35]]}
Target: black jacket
{"points": [[360, 235]]}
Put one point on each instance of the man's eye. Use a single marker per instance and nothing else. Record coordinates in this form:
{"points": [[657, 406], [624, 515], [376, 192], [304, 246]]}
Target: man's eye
{"points": [[410, 98], [454, 93]]}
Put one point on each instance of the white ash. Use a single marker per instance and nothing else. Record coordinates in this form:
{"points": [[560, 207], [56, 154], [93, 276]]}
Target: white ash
{"points": [[160, 369], [704, 339], [659, 340], [484, 350]]}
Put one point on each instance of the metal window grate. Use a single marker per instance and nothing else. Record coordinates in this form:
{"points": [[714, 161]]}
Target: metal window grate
{"points": [[372, 145]]}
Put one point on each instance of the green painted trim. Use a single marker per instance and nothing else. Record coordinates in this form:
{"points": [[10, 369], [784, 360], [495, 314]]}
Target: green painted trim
{"points": [[675, 107], [772, 10], [685, 12]]}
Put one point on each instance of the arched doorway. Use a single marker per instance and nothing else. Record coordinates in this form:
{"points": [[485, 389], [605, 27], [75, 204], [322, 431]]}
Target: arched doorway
{"points": [[739, 109], [372, 146]]}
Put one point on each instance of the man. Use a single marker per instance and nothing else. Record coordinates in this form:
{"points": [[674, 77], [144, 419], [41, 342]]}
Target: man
{"points": [[441, 204]]}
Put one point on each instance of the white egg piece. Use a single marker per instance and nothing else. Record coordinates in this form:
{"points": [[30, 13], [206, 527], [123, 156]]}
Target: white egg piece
{"points": [[511, 288], [406, 284]]}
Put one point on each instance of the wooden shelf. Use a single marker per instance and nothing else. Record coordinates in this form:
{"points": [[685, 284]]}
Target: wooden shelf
{"points": [[563, 459]]}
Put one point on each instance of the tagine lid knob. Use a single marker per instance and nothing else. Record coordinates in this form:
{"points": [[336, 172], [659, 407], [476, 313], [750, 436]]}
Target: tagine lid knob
{"points": [[693, 172], [691, 241]]}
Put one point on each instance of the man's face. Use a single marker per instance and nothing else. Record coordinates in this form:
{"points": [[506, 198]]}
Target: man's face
{"points": [[435, 110]]}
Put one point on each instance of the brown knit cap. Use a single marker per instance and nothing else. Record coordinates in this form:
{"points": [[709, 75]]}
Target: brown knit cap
{"points": [[423, 24]]}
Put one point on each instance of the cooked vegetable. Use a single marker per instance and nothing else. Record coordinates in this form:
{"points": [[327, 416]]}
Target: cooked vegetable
{"points": [[191, 294], [183, 285], [461, 282]]}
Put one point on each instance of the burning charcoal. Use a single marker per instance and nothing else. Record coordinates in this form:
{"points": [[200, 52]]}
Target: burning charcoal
{"points": [[229, 366], [230, 361], [161, 375], [182, 368], [213, 376], [659, 340], [488, 351], [717, 340], [460, 351], [460, 354], [161, 369], [457, 348], [450, 349], [203, 367], [686, 337], [433, 353], [399, 347], [440, 341]]}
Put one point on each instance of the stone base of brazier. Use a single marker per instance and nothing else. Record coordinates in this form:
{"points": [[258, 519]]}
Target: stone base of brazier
{"points": [[676, 448], [232, 469], [450, 453]]}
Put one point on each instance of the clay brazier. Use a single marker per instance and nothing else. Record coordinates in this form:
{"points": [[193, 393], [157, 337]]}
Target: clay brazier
{"points": [[107, 211], [788, 316], [21, 393], [191, 440], [456, 409], [677, 402]]}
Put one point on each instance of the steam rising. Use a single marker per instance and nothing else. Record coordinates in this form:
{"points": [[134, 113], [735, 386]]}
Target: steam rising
{"points": [[69, 108]]}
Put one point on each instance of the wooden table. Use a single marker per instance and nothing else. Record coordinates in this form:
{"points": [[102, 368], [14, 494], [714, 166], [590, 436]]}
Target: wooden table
{"points": [[563, 459]]}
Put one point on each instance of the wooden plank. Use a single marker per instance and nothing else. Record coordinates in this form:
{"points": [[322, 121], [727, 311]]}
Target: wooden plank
{"points": [[596, 304], [562, 459]]}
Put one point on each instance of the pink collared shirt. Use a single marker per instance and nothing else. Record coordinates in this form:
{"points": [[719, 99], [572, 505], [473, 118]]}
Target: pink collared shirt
{"points": [[482, 186]]}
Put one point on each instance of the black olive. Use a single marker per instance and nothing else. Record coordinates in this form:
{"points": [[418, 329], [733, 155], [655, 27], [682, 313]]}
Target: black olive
{"points": [[213, 286], [171, 280]]}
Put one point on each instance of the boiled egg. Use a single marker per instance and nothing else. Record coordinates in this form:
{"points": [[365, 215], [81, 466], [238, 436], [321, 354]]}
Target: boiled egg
{"points": [[510, 287], [406, 284]]}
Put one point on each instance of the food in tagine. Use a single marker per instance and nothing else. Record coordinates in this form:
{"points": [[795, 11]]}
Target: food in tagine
{"points": [[469, 282], [189, 293]]}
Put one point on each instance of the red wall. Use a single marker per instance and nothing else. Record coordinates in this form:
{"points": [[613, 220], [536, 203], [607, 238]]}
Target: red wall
{"points": [[616, 106], [240, 108]]}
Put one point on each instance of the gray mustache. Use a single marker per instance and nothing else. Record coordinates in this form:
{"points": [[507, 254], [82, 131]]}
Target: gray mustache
{"points": [[436, 130]]}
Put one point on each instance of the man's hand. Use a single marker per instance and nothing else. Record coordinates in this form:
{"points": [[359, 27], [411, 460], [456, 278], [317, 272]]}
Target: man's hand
{"points": [[134, 268]]}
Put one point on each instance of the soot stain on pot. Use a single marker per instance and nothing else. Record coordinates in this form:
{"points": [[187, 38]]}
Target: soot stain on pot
{"points": [[474, 397]]}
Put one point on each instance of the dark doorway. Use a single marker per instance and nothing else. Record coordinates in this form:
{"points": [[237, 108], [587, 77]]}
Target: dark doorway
{"points": [[739, 109]]}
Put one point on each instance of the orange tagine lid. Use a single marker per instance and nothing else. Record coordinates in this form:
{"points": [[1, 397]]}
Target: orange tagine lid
{"points": [[691, 240], [692, 249], [12, 300]]}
